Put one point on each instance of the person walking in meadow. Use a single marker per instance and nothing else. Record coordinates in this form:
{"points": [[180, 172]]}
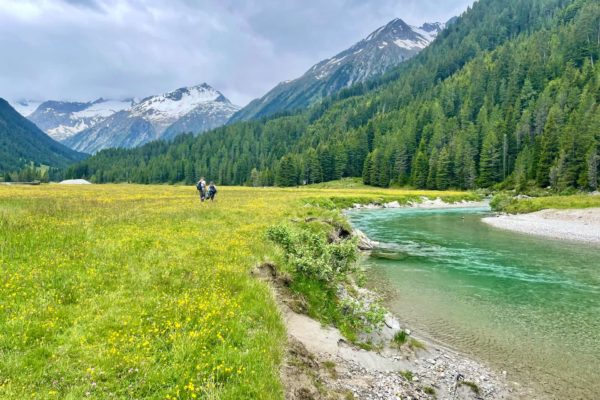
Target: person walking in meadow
{"points": [[201, 186], [212, 191]]}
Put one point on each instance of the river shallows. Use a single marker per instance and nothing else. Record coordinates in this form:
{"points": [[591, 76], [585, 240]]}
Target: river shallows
{"points": [[526, 305]]}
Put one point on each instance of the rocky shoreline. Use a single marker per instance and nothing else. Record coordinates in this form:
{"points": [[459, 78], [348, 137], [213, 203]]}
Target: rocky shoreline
{"points": [[424, 203], [322, 364], [345, 371]]}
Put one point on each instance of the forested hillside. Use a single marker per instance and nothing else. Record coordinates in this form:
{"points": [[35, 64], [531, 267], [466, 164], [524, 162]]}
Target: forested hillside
{"points": [[23, 143], [509, 93]]}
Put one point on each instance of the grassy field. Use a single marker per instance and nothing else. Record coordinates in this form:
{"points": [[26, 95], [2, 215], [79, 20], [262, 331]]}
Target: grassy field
{"points": [[126, 291], [519, 206]]}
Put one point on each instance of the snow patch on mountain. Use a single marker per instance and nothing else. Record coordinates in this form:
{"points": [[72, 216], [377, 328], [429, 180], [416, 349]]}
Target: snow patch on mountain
{"points": [[63, 119], [163, 110], [190, 109], [104, 108]]}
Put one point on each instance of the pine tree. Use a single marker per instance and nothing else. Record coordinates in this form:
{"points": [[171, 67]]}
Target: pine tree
{"points": [[420, 168], [368, 169], [286, 173], [444, 166], [312, 167], [255, 178], [549, 147], [490, 162], [593, 165]]}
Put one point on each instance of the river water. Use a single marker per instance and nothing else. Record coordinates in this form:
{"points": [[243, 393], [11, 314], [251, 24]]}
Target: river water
{"points": [[521, 304]]}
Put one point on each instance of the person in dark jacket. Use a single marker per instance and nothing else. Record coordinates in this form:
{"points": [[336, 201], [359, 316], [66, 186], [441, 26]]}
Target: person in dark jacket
{"points": [[212, 191], [201, 186]]}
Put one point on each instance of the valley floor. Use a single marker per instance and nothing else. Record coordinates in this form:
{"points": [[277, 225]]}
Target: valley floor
{"points": [[131, 291], [581, 225]]}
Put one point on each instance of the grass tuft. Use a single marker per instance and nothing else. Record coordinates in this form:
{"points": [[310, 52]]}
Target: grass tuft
{"points": [[408, 375], [472, 385]]}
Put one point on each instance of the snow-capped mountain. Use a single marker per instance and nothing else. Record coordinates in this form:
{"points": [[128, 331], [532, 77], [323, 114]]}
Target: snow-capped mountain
{"points": [[194, 109], [378, 53], [204, 117], [62, 119]]}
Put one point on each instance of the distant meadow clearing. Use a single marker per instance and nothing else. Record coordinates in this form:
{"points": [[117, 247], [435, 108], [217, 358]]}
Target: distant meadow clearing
{"points": [[130, 291]]}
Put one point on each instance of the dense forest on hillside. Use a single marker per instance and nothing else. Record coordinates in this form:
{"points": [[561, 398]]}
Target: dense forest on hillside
{"points": [[509, 93], [27, 153]]}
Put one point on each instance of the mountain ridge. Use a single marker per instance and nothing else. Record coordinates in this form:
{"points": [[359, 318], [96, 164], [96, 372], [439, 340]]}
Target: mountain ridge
{"points": [[63, 119], [382, 50], [95, 125]]}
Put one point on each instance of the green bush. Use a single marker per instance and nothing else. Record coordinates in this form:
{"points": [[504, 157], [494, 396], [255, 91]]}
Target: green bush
{"points": [[312, 256], [502, 201]]}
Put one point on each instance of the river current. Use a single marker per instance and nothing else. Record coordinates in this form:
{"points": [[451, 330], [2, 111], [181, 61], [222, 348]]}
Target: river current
{"points": [[522, 304]]}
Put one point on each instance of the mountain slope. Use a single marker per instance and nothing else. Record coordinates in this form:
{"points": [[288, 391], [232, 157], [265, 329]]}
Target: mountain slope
{"points": [[382, 50], [203, 118], [21, 142], [61, 119], [509, 94], [196, 109]]}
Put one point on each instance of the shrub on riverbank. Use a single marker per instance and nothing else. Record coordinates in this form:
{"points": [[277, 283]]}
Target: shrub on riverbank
{"points": [[323, 267]]}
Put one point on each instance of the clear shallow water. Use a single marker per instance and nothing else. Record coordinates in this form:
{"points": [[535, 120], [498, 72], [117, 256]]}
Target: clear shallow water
{"points": [[525, 305]]}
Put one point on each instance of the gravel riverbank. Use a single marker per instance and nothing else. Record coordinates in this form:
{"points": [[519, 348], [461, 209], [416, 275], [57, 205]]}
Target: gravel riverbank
{"points": [[320, 358], [581, 225]]}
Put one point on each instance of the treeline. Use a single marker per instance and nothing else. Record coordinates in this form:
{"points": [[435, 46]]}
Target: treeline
{"points": [[508, 94], [33, 173]]}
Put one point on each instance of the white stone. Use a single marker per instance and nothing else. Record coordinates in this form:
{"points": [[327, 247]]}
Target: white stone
{"points": [[75, 182]]}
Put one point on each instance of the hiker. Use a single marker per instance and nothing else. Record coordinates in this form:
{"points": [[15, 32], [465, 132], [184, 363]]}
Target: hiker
{"points": [[201, 186], [212, 191]]}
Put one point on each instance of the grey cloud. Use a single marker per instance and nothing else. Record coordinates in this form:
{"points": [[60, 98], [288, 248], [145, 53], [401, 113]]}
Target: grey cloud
{"points": [[81, 49]]}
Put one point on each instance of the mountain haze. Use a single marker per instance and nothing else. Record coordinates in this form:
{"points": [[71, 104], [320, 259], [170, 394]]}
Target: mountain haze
{"points": [[25, 107], [381, 51]]}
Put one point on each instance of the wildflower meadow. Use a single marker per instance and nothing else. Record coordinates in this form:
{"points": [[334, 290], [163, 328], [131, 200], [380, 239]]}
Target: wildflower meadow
{"points": [[131, 291]]}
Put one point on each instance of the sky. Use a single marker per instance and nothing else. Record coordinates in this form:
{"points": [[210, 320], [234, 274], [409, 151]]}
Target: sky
{"points": [[85, 49]]}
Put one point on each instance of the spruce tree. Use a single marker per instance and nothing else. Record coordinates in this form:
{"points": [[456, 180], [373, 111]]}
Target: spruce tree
{"points": [[549, 146], [490, 162], [420, 170], [443, 178]]}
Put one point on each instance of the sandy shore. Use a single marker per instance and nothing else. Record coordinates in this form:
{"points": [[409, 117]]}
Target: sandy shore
{"points": [[574, 225]]}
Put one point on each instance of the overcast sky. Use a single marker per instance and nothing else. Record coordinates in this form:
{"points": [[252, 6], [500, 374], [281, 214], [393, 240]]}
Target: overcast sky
{"points": [[85, 49]]}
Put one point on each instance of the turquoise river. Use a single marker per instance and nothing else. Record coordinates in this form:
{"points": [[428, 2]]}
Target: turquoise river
{"points": [[521, 304]]}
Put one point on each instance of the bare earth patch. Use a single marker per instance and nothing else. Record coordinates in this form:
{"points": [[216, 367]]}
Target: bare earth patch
{"points": [[581, 225]]}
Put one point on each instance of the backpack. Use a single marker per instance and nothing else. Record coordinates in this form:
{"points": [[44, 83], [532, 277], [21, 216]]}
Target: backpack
{"points": [[199, 185]]}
